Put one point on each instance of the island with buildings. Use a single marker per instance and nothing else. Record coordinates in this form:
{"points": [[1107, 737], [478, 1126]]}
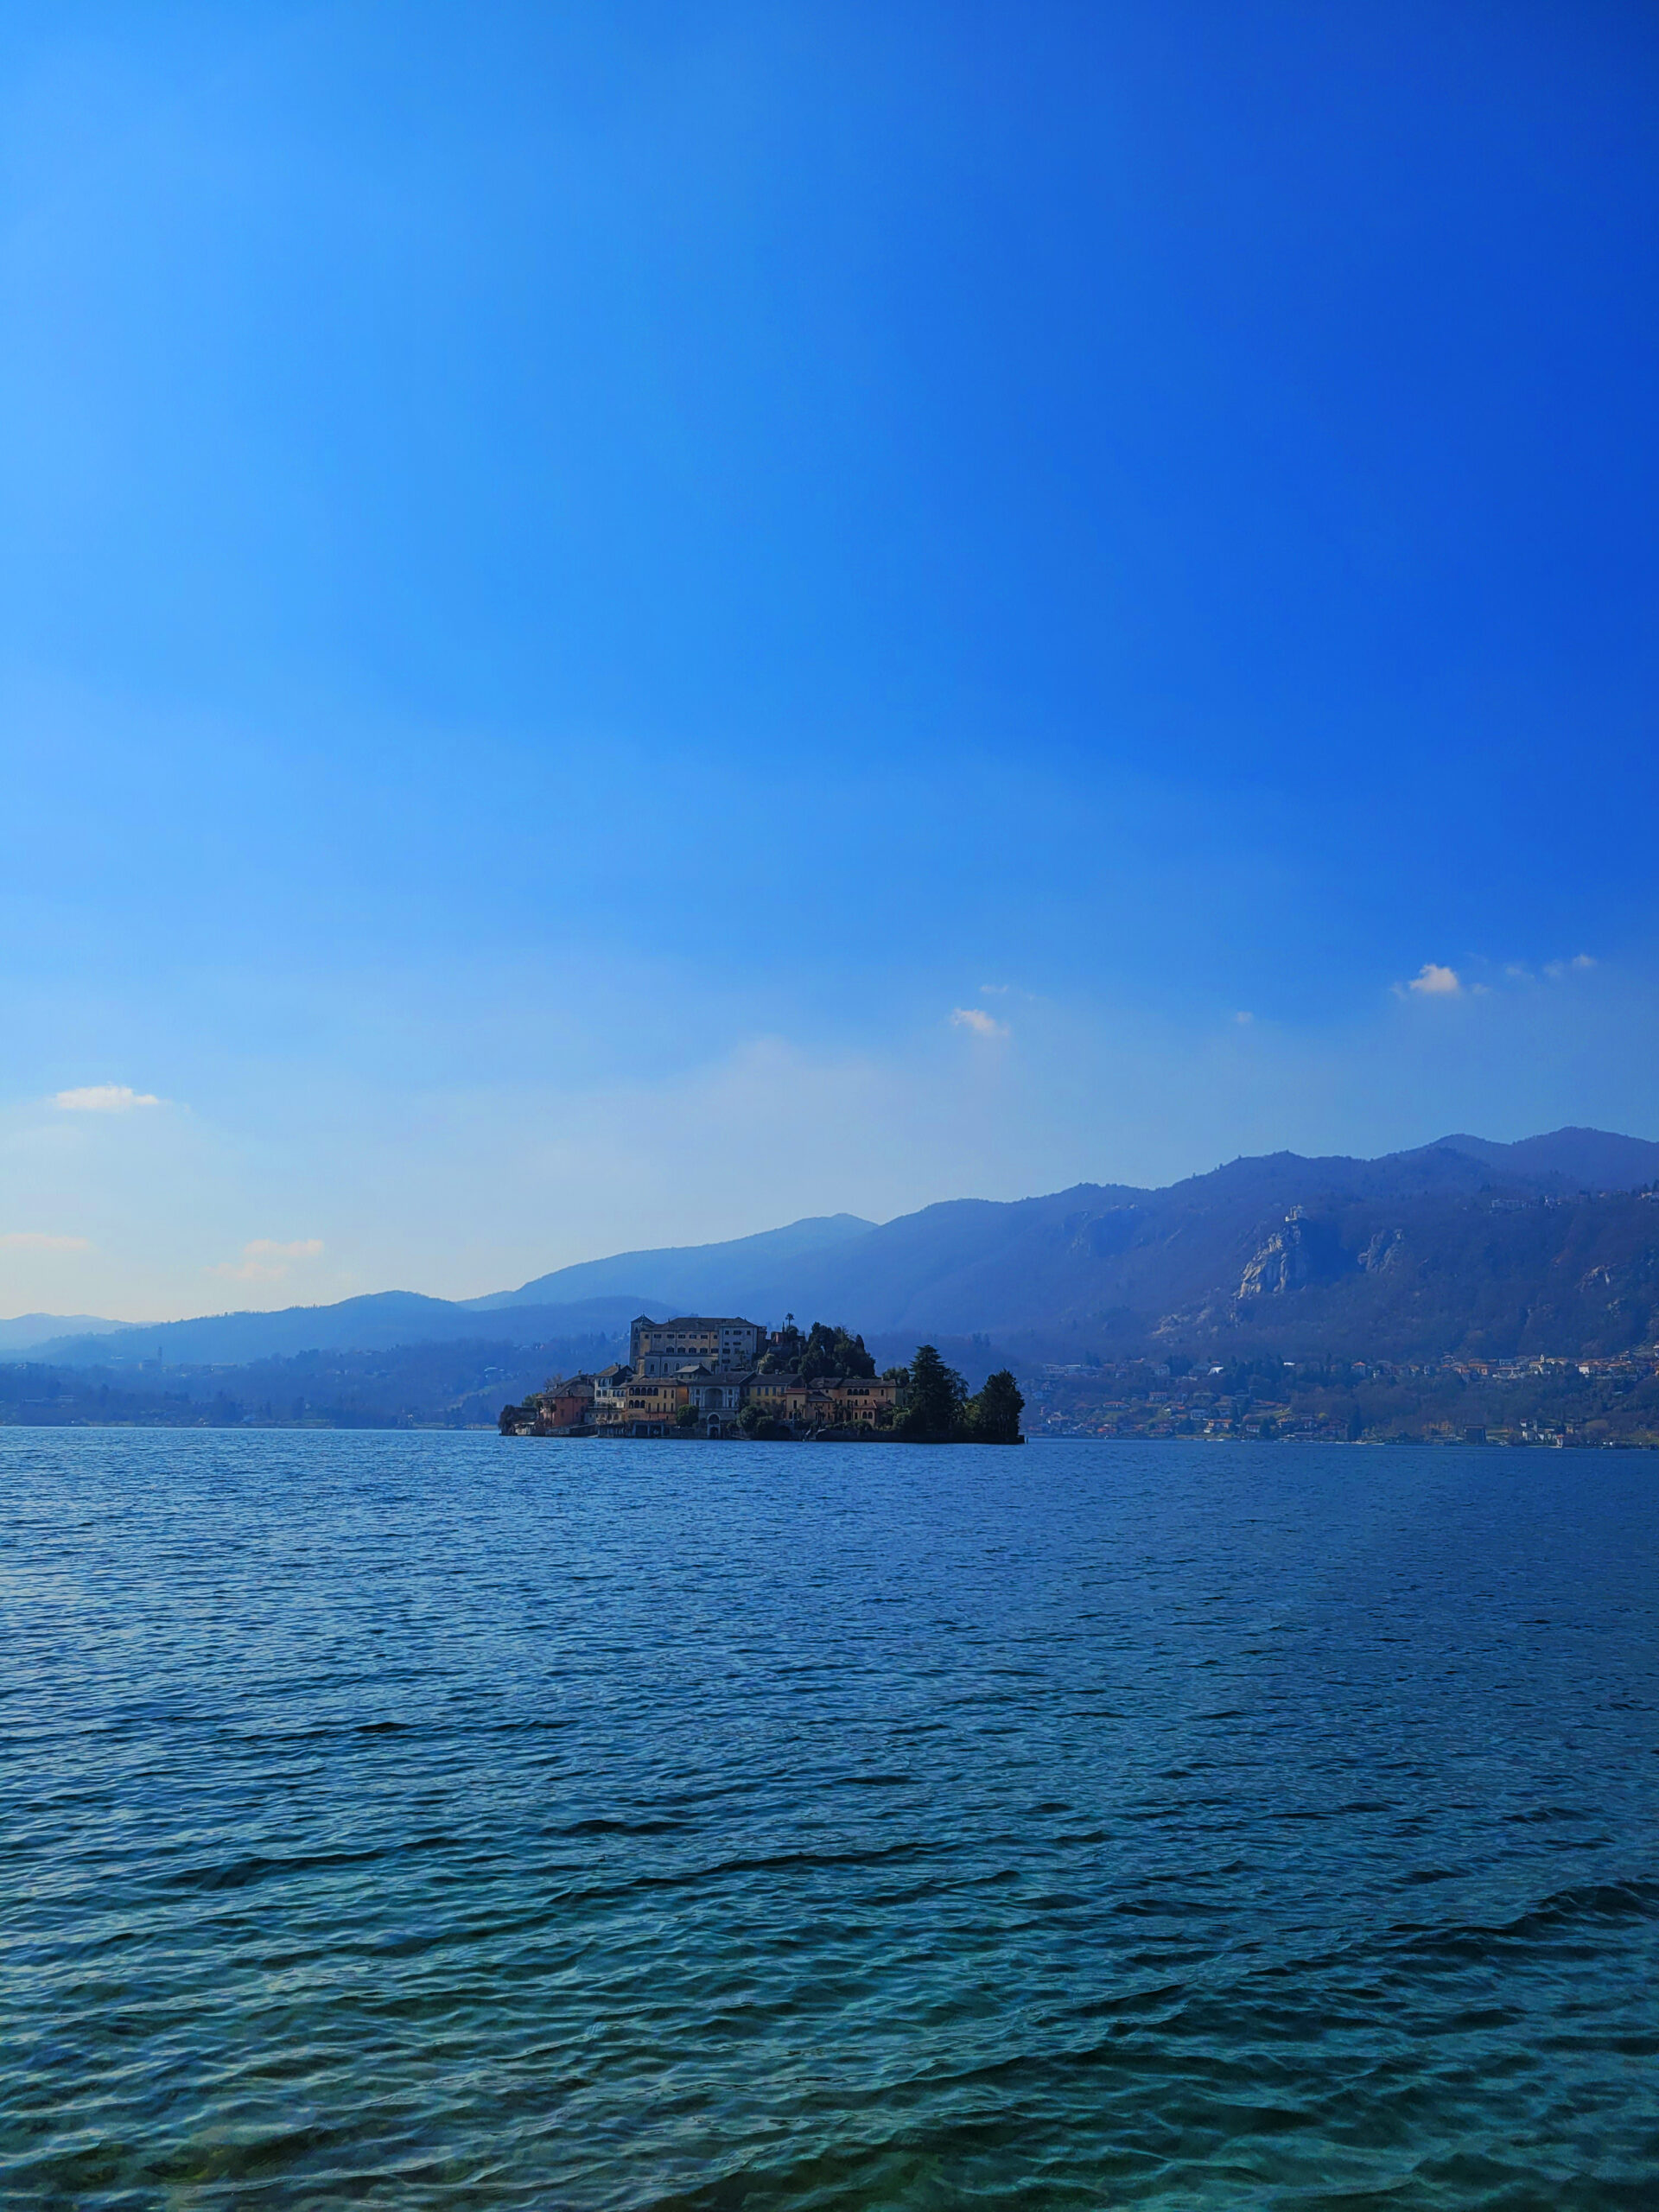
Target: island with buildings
{"points": [[721, 1376]]}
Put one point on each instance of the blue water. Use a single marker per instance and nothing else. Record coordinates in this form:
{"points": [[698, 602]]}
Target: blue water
{"points": [[451, 1821]]}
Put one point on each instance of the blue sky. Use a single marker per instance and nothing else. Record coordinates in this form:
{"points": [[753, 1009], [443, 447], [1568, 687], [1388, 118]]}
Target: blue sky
{"points": [[622, 623]]}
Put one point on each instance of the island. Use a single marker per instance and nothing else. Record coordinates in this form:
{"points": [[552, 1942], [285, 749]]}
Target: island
{"points": [[720, 1377]]}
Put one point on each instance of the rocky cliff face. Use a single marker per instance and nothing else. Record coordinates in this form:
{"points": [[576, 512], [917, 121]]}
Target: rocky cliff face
{"points": [[1491, 1251], [1303, 1252], [1383, 1251]]}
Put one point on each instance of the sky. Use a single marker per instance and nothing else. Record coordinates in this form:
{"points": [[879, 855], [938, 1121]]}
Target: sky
{"points": [[622, 623]]}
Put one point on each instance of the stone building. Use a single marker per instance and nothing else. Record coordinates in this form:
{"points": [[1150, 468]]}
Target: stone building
{"points": [[723, 1343]]}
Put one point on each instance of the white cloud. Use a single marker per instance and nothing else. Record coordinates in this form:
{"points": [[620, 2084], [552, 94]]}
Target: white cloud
{"points": [[264, 1260], [1243, 1018], [34, 1240], [104, 1098], [976, 1019], [1435, 982], [1579, 961], [995, 990]]}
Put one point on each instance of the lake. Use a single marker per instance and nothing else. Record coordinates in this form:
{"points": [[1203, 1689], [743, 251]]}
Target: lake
{"points": [[446, 1820]]}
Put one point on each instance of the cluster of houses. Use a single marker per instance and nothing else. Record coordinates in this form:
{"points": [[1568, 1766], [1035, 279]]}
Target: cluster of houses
{"points": [[698, 1375]]}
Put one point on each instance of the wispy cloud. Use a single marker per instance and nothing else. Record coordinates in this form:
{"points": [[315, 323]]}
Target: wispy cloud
{"points": [[1513, 971], [103, 1098], [1244, 1017], [976, 1019], [35, 1240], [1435, 982], [264, 1260]]}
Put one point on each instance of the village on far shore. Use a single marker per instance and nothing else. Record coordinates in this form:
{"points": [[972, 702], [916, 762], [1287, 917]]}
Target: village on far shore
{"points": [[720, 1376]]}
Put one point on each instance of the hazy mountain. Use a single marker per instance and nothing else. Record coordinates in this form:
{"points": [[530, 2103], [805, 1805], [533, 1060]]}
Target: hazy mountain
{"points": [[710, 1277], [383, 1320], [1594, 1160], [1422, 1250], [1102, 1267], [454, 1384], [1110, 1260], [26, 1329]]}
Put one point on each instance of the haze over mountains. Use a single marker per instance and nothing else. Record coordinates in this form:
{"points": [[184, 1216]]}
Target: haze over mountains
{"points": [[24, 1330], [1410, 1255], [684, 1274]]}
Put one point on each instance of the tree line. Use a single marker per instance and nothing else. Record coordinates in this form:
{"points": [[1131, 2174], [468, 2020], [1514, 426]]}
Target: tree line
{"points": [[938, 1409]]}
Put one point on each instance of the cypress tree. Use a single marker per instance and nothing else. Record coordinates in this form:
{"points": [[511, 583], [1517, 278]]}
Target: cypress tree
{"points": [[936, 1393], [995, 1414]]}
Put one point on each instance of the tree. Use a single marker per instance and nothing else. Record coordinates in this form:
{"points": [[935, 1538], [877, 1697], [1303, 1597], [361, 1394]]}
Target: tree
{"points": [[994, 1416], [827, 1350], [784, 1357], [754, 1421], [938, 1395], [831, 1350]]}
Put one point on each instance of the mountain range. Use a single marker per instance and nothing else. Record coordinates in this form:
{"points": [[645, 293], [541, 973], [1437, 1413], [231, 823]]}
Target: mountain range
{"points": [[26, 1330], [1545, 1244]]}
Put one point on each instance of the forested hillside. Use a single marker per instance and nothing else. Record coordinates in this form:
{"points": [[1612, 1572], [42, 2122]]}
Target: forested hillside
{"points": [[1464, 1247]]}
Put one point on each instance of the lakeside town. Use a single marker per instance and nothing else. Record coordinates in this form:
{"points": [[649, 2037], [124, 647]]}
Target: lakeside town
{"points": [[721, 1376], [1553, 1401], [1595, 1399]]}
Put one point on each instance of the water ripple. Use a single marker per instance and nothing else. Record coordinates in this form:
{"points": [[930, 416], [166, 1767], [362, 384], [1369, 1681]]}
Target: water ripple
{"points": [[439, 1822]]}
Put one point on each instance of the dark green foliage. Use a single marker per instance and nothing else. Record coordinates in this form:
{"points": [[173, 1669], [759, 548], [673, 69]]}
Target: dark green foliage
{"points": [[994, 1416], [828, 1352], [784, 1357], [834, 1354], [938, 1395], [938, 1409], [754, 1421]]}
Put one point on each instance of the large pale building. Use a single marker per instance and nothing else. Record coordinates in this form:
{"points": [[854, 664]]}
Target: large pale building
{"points": [[696, 1374], [726, 1346]]}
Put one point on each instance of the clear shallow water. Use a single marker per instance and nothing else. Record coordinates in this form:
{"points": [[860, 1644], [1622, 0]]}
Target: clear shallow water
{"points": [[448, 1821]]}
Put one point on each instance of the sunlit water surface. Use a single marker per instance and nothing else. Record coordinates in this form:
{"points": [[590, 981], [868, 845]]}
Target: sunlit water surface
{"points": [[446, 1821]]}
